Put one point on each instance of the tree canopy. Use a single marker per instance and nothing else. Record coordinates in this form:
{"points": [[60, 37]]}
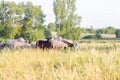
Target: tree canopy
{"points": [[66, 19], [23, 19]]}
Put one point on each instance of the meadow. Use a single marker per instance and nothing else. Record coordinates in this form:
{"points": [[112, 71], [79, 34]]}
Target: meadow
{"points": [[93, 61]]}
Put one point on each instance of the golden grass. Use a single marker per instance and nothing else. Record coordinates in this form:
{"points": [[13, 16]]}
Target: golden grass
{"points": [[88, 63]]}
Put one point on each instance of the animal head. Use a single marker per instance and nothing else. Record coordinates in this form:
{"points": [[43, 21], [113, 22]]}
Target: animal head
{"points": [[49, 38]]}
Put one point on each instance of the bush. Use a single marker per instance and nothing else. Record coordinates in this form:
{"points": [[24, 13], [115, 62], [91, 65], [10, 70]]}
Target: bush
{"points": [[90, 37], [8, 32], [34, 34], [47, 33]]}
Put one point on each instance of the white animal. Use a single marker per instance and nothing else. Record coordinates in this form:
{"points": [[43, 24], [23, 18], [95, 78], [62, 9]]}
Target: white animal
{"points": [[10, 43]]}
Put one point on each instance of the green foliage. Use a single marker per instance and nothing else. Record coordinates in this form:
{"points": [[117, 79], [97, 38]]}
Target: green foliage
{"points": [[7, 29], [74, 34], [47, 33], [98, 36], [117, 33], [34, 34], [90, 30], [90, 37], [99, 31], [66, 19], [23, 19], [51, 27], [107, 30], [8, 32]]}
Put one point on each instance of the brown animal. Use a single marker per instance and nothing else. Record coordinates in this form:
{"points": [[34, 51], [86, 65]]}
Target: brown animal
{"points": [[57, 44], [68, 42], [51, 44], [43, 44], [2, 45]]}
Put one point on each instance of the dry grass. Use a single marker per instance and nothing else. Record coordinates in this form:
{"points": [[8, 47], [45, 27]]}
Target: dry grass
{"points": [[92, 62]]}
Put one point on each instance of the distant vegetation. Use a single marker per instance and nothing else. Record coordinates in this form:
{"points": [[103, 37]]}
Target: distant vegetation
{"points": [[27, 20], [108, 33]]}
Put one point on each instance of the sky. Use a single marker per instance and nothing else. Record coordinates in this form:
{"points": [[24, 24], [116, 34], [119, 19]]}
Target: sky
{"points": [[96, 13]]}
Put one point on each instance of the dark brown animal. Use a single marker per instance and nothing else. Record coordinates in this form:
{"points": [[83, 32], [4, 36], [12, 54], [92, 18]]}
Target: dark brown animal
{"points": [[51, 44], [2, 45], [69, 43], [43, 44]]}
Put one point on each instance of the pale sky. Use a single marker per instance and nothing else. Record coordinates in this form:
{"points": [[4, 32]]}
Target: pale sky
{"points": [[98, 13]]}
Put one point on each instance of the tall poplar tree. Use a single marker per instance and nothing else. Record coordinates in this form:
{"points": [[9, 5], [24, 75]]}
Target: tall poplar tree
{"points": [[66, 19]]}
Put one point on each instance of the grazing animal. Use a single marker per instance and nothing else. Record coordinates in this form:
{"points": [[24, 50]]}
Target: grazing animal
{"points": [[12, 43], [21, 39], [53, 44], [68, 42], [57, 44], [9, 43], [43, 44], [2, 45], [21, 45]]}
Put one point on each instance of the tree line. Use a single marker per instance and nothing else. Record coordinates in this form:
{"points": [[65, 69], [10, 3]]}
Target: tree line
{"points": [[27, 20], [23, 19], [98, 32]]}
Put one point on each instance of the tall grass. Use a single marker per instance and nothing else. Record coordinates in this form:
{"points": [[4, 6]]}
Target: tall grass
{"points": [[89, 63]]}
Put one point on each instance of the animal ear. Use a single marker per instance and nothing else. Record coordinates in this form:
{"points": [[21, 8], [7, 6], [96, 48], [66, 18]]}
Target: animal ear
{"points": [[49, 38]]}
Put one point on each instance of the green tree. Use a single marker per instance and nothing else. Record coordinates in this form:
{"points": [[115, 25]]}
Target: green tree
{"points": [[91, 29], [66, 19], [75, 34], [23, 19], [109, 30], [47, 33], [51, 27], [34, 34], [7, 20], [100, 31], [32, 20], [117, 33]]}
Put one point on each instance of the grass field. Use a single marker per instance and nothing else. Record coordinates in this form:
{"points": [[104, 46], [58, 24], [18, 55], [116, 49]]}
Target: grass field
{"points": [[94, 61]]}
